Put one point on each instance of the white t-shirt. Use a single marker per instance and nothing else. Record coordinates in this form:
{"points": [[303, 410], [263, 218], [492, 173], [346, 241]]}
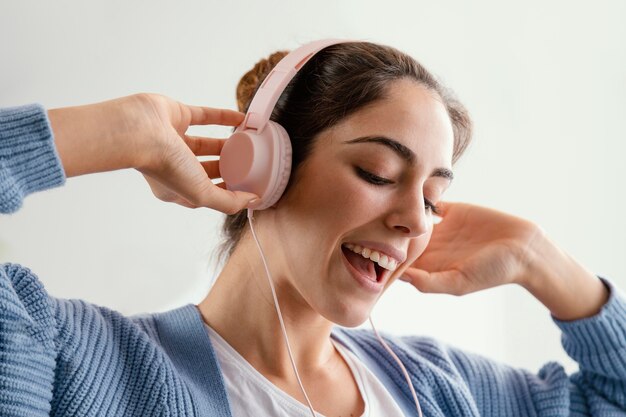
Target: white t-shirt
{"points": [[251, 394]]}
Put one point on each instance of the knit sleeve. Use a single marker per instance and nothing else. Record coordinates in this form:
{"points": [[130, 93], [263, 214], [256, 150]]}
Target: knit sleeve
{"points": [[597, 343], [28, 158], [27, 349]]}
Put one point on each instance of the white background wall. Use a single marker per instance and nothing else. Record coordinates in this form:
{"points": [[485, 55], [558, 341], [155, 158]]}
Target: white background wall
{"points": [[544, 81]]}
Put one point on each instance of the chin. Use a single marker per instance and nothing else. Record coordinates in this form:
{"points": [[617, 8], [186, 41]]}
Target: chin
{"points": [[349, 315], [352, 322]]}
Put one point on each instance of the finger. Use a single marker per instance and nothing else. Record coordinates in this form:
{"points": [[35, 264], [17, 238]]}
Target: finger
{"points": [[443, 208], [212, 168], [201, 192], [441, 282], [190, 181], [226, 201], [201, 146], [210, 116], [214, 197]]}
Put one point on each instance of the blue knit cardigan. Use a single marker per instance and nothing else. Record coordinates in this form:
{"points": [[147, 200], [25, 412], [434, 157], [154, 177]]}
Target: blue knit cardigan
{"points": [[70, 358]]}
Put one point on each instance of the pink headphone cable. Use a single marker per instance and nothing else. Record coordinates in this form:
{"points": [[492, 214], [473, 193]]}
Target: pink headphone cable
{"points": [[284, 331], [280, 315], [397, 359]]}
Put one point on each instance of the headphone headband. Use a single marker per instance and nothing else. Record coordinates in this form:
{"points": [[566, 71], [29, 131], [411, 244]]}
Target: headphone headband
{"points": [[273, 85], [257, 157]]}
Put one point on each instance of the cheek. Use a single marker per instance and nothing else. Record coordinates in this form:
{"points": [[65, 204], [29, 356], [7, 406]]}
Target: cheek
{"points": [[317, 208], [332, 196]]}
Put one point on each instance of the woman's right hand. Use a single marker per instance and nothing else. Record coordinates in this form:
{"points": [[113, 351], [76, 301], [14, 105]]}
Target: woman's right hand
{"points": [[147, 132], [475, 248]]}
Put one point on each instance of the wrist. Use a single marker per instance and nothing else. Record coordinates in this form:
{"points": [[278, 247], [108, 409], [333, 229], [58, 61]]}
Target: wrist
{"points": [[93, 138], [138, 130], [558, 281], [147, 129]]}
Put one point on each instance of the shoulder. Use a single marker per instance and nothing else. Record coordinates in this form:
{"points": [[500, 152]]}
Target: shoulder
{"points": [[114, 356], [86, 327], [447, 377], [85, 348], [25, 304], [427, 353], [421, 356], [426, 349], [26, 301]]}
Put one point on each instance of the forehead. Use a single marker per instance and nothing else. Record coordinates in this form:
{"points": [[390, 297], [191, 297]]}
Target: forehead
{"points": [[410, 114]]}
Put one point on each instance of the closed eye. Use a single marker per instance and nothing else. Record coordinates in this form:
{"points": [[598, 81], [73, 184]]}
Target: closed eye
{"points": [[376, 180], [431, 206], [372, 178]]}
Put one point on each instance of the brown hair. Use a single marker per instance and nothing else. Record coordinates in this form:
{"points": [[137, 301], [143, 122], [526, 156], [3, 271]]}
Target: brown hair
{"points": [[336, 82]]}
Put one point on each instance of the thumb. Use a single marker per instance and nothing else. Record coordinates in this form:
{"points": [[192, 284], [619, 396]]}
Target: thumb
{"points": [[246, 199], [241, 200], [226, 201]]}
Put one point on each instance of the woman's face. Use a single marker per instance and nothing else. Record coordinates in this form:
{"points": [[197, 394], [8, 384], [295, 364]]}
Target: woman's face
{"points": [[368, 186]]}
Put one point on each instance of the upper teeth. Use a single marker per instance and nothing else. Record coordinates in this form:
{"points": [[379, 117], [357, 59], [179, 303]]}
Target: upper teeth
{"points": [[381, 259]]}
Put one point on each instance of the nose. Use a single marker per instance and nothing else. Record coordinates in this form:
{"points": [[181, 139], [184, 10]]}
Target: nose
{"points": [[409, 215]]}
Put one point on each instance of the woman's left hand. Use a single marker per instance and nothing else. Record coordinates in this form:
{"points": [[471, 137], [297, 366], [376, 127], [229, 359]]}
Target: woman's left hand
{"points": [[148, 132], [475, 248]]}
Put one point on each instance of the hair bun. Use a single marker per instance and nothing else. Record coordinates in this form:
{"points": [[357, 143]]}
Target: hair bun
{"points": [[250, 82]]}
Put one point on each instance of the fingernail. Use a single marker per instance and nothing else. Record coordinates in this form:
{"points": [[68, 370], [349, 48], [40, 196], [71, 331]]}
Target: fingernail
{"points": [[404, 278]]}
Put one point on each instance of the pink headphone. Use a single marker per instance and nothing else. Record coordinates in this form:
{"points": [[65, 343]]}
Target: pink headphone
{"points": [[257, 157]]}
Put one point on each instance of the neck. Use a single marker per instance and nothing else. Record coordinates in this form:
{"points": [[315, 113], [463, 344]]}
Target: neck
{"points": [[240, 307]]}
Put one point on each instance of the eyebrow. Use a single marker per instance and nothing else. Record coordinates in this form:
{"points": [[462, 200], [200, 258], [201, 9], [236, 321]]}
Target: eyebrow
{"points": [[402, 151]]}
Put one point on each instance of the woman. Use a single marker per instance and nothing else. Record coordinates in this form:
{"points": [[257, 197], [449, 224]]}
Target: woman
{"points": [[374, 139]]}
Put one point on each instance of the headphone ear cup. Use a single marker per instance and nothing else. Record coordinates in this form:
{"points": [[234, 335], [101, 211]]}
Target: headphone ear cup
{"points": [[283, 171], [258, 163]]}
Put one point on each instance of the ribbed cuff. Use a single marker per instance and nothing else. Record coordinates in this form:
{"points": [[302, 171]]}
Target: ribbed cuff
{"points": [[598, 343], [28, 159]]}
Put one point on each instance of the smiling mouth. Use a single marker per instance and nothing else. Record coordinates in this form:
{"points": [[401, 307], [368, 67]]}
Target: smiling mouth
{"points": [[366, 267]]}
